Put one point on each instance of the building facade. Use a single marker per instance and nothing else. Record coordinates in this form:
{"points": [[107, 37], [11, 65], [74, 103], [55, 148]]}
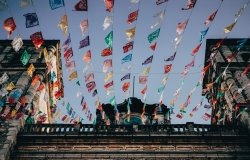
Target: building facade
{"points": [[226, 83], [30, 81]]}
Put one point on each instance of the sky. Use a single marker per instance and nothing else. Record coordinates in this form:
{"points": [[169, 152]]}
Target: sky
{"points": [[48, 25]]}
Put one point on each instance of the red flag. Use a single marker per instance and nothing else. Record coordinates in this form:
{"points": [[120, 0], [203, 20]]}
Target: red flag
{"points": [[143, 91], [179, 115], [82, 5], [9, 25], [196, 49], [37, 39], [132, 17], [106, 52], [153, 46], [109, 5], [108, 85], [87, 56], [167, 68], [90, 86], [128, 47], [35, 79], [59, 94], [210, 18], [125, 86], [143, 79], [181, 27]]}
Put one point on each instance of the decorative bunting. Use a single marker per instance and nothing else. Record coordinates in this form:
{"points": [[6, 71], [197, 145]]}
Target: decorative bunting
{"points": [[9, 25], [63, 24], [68, 54], [154, 35], [143, 79], [82, 5], [107, 22], [203, 34], [148, 60], [108, 85], [70, 66], [106, 52], [153, 46], [109, 5], [130, 33], [37, 39], [109, 39], [94, 93], [146, 71], [132, 17], [210, 18], [127, 76], [127, 58], [196, 49], [190, 4], [87, 56], [54, 4], [167, 68], [31, 70], [10, 86], [229, 28], [181, 27], [206, 116], [108, 76], [67, 43], [84, 25], [125, 86], [72, 76], [25, 57], [106, 65], [171, 58], [89, 77], [31, 20], [84, 42], [17, 43], [128, 47], [158, 2], [112, 101], [90, 86]]}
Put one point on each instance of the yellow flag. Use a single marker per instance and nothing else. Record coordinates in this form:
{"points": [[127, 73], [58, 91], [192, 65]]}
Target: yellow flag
{"points": [[108, 76], [130, 33], [229, 28], [72, 76], [146, 71], [63, 24], [10, 86], [30, 70]]}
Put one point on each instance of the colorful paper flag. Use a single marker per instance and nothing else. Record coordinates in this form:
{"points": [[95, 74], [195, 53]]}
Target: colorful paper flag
{"points": [[106, 65], [154, 35], [67, 43], [82, 5], [143, 79], [106, 52], [63, 24], [127, 58], [10, 86], [109, 5], [37, 39], [90, 86], [84, 42], [148, 60], [25, 57], [229, 28], [146, 71], [54, 4], [87, 56], [196, 49], [107, 22], [9, 25], [112, 101], [108, 76], [144, 90], [171, 58], [158, 2], [203, 34], [72, 76], [84, 25], [128, 47], [130, 33], [70, 65], [17, 43], [89, 77], [94, 93], [210, 18], [134, 1], [4, 78], [125, 86], [31, 20], [108, 85], [132, 17], [127, 76], [190, 5], [31, 70], [181, 27], [109, 39], [153, 46], [167, 68]]}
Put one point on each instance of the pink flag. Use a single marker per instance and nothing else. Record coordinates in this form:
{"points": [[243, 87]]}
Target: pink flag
{"points": [[196, 49], [89, 77], [87, 56], [90, 86], [106, 65], [181, 27], [106, 86], [143, 79], [210, 18]]}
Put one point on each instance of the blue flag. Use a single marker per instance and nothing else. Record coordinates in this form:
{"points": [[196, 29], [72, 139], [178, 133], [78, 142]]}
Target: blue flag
{"points": [[31, 20], [171, 58], [203, 34], [54, 4], [127, 58], [84, 42], [148, 60], [127, 76]]}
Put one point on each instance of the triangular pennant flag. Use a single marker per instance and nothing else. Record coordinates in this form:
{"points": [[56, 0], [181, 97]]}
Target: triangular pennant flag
{"points": [[25, 57], [203, 34], [107, 22], [148, 60], [89, 77], [153, 46], [84, 25], [143, 79], [10, 86], [25, 3], [108, 76], [63, 24], [17, 43], [31, 20], [108, 85], [70, 66], [66, 43], [109, 5], [90, 86], [67, 54], [109, 39], [87, 56], [94, 93], [106, 65], [210, 18], [125, 86], [146, 71], [181, 27], [130, 33], [229, 28], [37, 39], [154, 35], [31, 70], [112, 101], [132, 17], [106, 52], [158, 2], [127, 76], [9, 25], [54, 4], [84, 42], [196, 49], [82, 5], [190, 4], [171, 58], [128, 47], [72, 76], [191, 64], [160, 90], [127, 58], [167, 68]]}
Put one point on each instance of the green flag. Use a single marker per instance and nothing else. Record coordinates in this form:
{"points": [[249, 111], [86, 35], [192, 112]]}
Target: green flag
{"points": [[112, 101], [25, 57], [153, 35], [109, 39]]}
